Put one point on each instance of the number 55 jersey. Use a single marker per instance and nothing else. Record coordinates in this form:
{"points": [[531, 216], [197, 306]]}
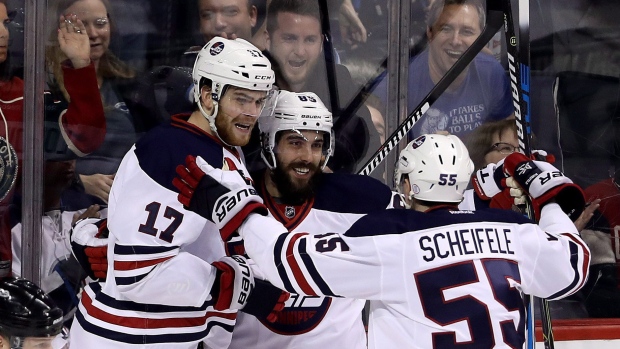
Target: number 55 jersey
{"points": [[437, 279]]}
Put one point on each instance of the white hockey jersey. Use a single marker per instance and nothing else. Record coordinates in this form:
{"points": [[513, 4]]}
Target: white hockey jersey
{"points": [[157, 290], [312, 321], [434, 279]]}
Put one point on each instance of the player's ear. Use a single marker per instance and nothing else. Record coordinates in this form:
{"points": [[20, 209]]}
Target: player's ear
{"points": [[205, 98], [429, 33]]}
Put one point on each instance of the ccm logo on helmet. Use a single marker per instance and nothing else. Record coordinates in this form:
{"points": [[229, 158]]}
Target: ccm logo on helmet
{"points": [[245, 281], [262, 77]]}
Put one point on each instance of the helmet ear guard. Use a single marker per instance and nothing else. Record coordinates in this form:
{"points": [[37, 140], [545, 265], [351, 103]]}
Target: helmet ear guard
{"points": [[438, 168], [294, 111]]}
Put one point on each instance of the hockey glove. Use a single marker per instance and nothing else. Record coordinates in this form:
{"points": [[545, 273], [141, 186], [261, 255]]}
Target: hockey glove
{"points": [[543, 183], [490, 180], [234, 283], [225, 198], [266, 301], [89, 244]]}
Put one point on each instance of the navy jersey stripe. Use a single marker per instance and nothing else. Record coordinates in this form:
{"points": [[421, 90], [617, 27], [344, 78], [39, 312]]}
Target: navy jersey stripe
{"points": [[402, 221], [124, 281], [149, 339], [314, 274], [277, 256], [137, 250]]}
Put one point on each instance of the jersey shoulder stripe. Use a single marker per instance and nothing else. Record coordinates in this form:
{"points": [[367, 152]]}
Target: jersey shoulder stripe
{"points": [[159, 152], [580, 261], [349, 193], [403, 221], [303, 276]]}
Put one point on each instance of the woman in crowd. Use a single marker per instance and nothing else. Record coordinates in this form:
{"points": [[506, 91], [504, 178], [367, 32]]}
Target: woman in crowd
{"points": [[72, 128], [116, 83]]}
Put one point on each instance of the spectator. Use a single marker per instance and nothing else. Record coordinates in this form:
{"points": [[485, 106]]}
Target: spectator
{"points": [[29, 319], [62, 278], [490, 144], [116, 83], [296, 50], [602, 291], [77, 127], [481, 93]]}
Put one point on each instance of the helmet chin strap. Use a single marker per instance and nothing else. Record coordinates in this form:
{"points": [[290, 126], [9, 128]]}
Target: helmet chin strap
{"points": [[211, 119]]}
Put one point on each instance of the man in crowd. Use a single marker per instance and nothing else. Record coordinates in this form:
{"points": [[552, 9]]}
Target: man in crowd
{"points": [[480, 93], [435, 276]]}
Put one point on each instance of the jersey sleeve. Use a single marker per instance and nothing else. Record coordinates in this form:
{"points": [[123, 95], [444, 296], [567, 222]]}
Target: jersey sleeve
{"points": [[82, 123], [149, 230], [328, 264], [555, 259]]}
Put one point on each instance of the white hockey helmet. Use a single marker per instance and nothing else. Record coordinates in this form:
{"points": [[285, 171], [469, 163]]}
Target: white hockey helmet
{"points": [[230, 62], [438, 168], [294, 111]]}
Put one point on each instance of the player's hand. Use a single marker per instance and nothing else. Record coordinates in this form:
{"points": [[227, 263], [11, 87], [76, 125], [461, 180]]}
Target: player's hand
{"points": [[225, 198], [234, 283], [490, 180], [89, 244], [543, 183], [266, 301]]}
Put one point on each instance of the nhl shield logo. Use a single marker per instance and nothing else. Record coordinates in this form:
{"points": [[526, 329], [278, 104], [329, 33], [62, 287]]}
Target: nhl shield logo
{"points": [[289, 212], [8, 167]]}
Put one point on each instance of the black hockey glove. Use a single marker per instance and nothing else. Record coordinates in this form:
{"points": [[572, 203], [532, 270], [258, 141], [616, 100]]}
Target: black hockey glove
{"points": [[225, 198], [234, 283], [89, 244], [543, 183], [266, 301]]}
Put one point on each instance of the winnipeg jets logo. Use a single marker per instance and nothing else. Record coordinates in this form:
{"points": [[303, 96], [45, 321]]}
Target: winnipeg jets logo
{"points": [[289, 212], [216, 49], [524, 168], [418, 142]]}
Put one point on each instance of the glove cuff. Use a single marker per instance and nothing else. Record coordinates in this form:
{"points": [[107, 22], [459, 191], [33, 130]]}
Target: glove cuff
{"points": [[235, 222]]}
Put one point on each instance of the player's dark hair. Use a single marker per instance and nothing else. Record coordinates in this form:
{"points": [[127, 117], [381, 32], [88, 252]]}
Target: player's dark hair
{"points": [[299, 7], [436, 8]]}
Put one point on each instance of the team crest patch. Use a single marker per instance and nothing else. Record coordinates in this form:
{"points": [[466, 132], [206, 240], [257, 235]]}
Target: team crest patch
{"points": [[8, 167], [217, 48], [301, 314], [289, 212], [418, 142]]}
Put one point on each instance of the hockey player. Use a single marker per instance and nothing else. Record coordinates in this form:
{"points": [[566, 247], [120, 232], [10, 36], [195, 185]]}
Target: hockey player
{"points": [[437, 277], [296, 143], [28, 317], [165, 287]]}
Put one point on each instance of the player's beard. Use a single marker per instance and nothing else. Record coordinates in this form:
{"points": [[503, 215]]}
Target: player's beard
{"points": [[291, 191]]}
